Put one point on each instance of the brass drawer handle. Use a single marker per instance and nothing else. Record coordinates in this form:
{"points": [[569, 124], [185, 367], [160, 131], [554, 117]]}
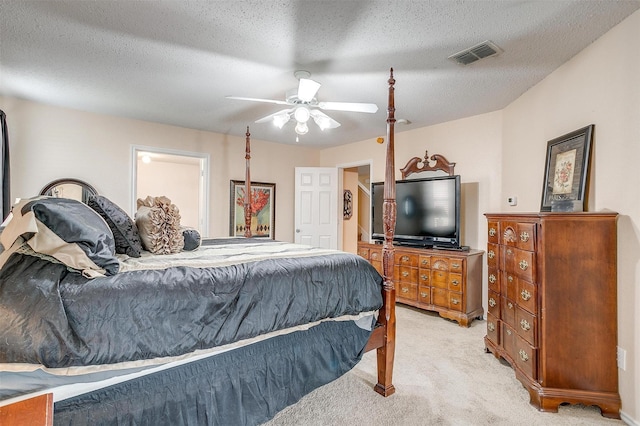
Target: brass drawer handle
{"points": [[524, 324], [525, 295], [455, 282], [492, 302], [491, 327], [492, 232], [405, 258], [424, 277], [508, 332], [523, 265], [510, 305], [404, 290], [524, 236], [509, 252], [405, 274], [423, 294], [374, 255], [492, 278], [523, 355], [510, 278], [455, 265], [424, 262], [455, 301], [491, 254]]}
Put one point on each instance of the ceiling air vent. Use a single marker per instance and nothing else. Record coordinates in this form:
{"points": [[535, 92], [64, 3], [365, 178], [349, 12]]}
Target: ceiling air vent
{"points": [[475, 53]]}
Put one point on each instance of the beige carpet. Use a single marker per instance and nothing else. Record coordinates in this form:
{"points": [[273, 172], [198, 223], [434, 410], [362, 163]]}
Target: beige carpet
{"points": [[442, 376]]}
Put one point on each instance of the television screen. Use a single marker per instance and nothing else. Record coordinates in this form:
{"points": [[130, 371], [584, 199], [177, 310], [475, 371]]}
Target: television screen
{"points": [[427, 211]]}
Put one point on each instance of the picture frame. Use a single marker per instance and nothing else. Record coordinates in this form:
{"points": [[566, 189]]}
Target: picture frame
{"points": [[263, 221], [566, 171], [347, 204]]}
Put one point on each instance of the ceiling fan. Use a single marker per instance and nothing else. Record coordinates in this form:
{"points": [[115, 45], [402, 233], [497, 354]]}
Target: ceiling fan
{"points": [[303, 105]]}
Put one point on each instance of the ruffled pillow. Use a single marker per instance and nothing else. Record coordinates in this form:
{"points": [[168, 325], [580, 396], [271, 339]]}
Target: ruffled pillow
{"points": [[158, 222]]}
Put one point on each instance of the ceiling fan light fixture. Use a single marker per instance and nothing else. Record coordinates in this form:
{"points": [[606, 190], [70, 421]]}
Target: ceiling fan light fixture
{"points": [[302, 114], [280, 120], [322, 122], [302, 128]]}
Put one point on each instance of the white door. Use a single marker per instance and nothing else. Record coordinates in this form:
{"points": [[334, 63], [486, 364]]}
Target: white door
{"points": [[316, 206]]}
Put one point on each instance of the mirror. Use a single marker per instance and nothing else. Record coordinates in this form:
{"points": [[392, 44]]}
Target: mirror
{"points": [[69, 188]]}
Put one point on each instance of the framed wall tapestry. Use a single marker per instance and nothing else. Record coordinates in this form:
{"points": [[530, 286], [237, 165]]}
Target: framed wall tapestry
{"points": [[566, 171], [263, 209]]}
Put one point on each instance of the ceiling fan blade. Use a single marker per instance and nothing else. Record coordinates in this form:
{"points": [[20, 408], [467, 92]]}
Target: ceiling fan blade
{"points": [[307, 89], [269, 101], [282, 117], [348, 106], [323, 120]]}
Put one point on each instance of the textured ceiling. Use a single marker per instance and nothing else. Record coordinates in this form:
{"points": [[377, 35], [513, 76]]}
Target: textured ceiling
{"points": [[174, 62]]}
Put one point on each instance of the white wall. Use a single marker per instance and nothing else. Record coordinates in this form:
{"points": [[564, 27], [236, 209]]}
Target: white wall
{"points": [[48, 143]]}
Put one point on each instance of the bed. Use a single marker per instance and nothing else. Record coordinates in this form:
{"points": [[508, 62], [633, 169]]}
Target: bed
{"points": [[230, 332]]}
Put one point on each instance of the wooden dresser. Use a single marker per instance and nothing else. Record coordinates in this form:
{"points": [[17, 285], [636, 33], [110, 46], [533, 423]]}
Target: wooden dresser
{"points": [[552, 305], [446, 281]]}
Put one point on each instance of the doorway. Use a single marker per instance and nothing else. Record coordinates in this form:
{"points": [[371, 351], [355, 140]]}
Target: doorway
{"points": [[181, 176], [356, 178]]}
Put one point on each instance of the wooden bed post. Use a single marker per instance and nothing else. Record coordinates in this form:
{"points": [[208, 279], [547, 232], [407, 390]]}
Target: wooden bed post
{"points": [[247, 187], [387, 316]]}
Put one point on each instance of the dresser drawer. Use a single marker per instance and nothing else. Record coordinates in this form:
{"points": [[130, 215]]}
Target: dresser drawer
{"points": [[440, 279], [509, 287], [440, 297], [406, 259], [507, 339], [526, 357], [493, 329], [493, 232], [407, 291], [526, 325], [508, 311], [424, 294], [527, 296], [494, 304], [375, 255], [455, 301], [493, 278], [406, 274], [424, 261], [424, 277], [522, 263], [455, 282], [364, 252], [440, 263], [526, 236], [455, 265], [493, 255]]}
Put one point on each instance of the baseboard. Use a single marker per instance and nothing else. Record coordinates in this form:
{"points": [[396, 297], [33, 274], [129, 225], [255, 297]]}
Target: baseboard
{"points": [[628, 420]]}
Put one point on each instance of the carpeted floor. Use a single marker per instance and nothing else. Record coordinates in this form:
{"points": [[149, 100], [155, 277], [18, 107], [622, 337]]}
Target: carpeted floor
{"points": [[442, 376]]}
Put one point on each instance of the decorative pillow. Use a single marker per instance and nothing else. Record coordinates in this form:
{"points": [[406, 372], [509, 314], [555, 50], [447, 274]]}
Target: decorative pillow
{"points": [[191, 237], [65, 229], [158, 223], [122, 226]]}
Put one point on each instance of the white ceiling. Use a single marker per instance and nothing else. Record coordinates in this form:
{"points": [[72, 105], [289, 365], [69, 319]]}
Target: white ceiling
{"points": [[174, 61]]}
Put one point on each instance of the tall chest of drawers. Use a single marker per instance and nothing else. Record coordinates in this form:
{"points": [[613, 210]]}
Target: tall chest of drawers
{"points": [[444, 281], [552, 305]]}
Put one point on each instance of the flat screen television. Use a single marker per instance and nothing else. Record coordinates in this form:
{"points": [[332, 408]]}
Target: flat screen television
{"points": [[427, 212]]}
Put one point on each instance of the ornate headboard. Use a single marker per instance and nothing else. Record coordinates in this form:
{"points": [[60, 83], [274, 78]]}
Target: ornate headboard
{"points": [[440, 163]]}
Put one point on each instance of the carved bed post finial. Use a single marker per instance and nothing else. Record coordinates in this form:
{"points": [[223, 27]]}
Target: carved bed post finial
{"points": [[247, 187], [386, 353]]}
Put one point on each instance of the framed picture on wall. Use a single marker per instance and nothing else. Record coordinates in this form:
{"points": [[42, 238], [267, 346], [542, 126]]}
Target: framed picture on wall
{"points": [[566, 171], [263, 209]]}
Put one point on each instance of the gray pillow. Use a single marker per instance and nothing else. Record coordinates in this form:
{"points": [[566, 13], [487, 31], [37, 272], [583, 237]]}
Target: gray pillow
{"points": [[65, 229], [125, 232]]}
